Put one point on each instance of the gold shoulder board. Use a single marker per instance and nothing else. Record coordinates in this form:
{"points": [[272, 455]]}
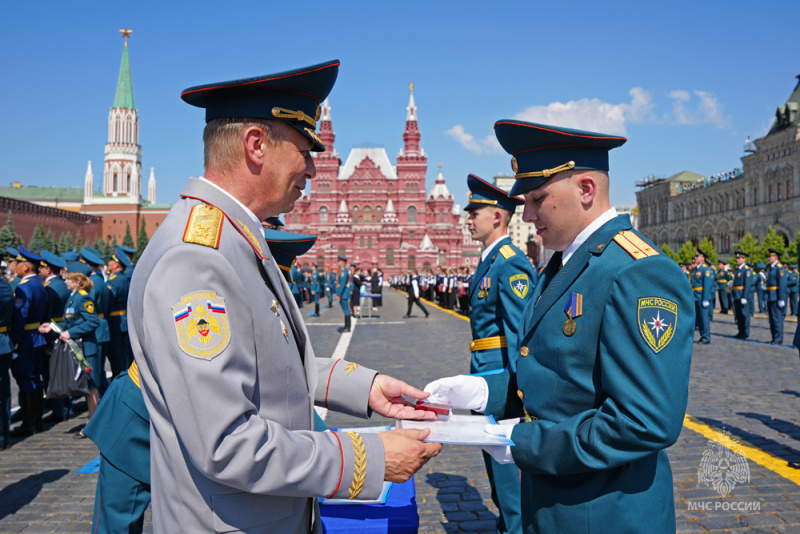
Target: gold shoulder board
{"points": [[83, 292], [507, 251], [204, 226], [634, 245]]}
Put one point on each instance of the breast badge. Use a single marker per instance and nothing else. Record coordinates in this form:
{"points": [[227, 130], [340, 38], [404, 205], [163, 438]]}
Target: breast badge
{"points": [[201, 323], [520, 284], [657, 318]]}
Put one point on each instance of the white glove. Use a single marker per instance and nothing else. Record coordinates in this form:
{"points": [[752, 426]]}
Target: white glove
{"points": [[781, 304], [705, 304], [462, 392], [501, 453], [743, 301]]}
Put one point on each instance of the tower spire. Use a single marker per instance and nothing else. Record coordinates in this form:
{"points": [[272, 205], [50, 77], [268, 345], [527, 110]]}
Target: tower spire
{"points": [[326, 134], [411, 135], [123, 98]]}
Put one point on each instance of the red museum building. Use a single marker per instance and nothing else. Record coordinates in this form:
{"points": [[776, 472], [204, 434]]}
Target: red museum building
{"points": [[376, 213]]}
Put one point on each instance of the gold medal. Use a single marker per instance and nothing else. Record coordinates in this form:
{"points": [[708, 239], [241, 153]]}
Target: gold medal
{"points": [[482, 294], [570, 327]]}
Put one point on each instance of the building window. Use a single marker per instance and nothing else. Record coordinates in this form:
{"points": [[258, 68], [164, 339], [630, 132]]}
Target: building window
{"points": [[361, 242], [788, 189], [412, 214], [391, 187], [355, 214], [320, 263], [128, 183], [378, 187], [295, 218], [770, 198], [367, 214], [324, 235], [755, 196], [411, 234], [412, 263], [441, 217], [369, 242], [378, 214], [389, 256], [344, 188], [442, 258], [780, 191], [323, 215]]}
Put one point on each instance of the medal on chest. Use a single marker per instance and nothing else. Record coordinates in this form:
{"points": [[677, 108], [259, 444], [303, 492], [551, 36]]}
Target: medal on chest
{"points": [[573, 309], [483, 288]]}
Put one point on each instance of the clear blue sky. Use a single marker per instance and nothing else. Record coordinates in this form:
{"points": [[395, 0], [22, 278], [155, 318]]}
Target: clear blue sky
{"points": [[686, 82]]}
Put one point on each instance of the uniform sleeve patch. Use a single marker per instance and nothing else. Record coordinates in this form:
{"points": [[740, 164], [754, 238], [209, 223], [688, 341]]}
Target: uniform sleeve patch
{"points": [[657, 318], [89, 306], [507, 251], [204, 226], [520, 283], [634, 245], [201, 324]]}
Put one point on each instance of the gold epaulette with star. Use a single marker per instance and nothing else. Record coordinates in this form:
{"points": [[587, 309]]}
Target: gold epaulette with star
{"points": [[507, 251], [204, 226], [83, 292], [634, 245]]}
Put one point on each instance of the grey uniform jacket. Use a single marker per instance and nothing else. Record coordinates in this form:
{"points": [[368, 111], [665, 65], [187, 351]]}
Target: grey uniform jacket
{"points": [[230, 379]]}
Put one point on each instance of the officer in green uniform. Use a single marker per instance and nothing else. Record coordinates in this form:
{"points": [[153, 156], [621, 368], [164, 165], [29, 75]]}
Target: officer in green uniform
{"points": [[777, 294], [703, 288], [121, 427], [119, 347], [792, 283], [342, 293], [742, 290], [504, 282], [6, 350], [603, 374], [13, 279], [57, 295], [101, 297]]}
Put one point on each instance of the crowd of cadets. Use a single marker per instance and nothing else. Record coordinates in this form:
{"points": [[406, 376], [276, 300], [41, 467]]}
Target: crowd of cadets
{"points": [[82, 293], [310, 285], [447, 287], [773, 286]]}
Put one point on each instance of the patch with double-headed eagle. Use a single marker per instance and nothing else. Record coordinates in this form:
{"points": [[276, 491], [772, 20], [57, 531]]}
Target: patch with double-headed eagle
{"points": [[201, 323]]}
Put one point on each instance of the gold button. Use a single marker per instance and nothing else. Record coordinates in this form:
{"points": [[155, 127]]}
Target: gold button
{"points": [[524, 351], [520, 394]]}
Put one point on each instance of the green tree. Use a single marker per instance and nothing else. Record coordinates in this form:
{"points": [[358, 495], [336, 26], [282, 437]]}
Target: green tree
{"points": [[711, 255], [128, 239], [65, 242], [102, 247], [749, 245], [792, 250], [687, 252], [668, 252], [773, 240], [141, 242], [38, 240], [8, 235], [51, 241], [78, 241]]}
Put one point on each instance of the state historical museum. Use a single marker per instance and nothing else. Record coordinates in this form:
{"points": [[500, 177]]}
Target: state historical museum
{"points": [[376, 213]]}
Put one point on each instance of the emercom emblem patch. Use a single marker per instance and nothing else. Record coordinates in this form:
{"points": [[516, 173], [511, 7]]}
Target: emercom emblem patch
{"points": [[520, 284], [201, 324], [657, 320]]}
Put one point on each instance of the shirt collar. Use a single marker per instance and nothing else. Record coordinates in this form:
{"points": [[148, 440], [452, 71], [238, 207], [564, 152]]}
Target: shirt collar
{"points": [[773, 264], [245, 208], [488, 249], [51, 277], [29, 276], [584, 235]]}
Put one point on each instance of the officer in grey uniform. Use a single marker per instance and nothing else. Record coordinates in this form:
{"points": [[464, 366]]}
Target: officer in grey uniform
{"points": [[226, 367]]}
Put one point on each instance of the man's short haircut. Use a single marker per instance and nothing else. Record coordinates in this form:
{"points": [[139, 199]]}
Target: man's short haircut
{"points": [[222, 140], [507, 214]]}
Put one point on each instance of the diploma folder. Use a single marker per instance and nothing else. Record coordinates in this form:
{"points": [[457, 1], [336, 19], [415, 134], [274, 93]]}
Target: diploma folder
{"points": [[459, 430]]}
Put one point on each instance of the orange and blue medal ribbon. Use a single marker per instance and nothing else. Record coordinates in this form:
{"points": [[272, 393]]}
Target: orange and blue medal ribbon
{"points": [[573, 309]]}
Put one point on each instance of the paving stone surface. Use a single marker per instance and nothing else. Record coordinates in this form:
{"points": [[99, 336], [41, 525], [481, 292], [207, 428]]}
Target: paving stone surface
{"points": [[748, 388]]}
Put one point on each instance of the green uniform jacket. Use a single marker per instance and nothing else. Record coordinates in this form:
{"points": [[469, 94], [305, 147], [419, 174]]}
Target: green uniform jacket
{"points": [[497, 311], [610, 398]]}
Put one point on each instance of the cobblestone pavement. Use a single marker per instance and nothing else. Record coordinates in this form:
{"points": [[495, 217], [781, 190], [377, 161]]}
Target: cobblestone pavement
{"points": [[748, 388]]}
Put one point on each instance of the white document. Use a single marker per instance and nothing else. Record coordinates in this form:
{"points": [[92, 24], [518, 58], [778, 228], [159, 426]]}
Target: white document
{"points": [[460, 430]]}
